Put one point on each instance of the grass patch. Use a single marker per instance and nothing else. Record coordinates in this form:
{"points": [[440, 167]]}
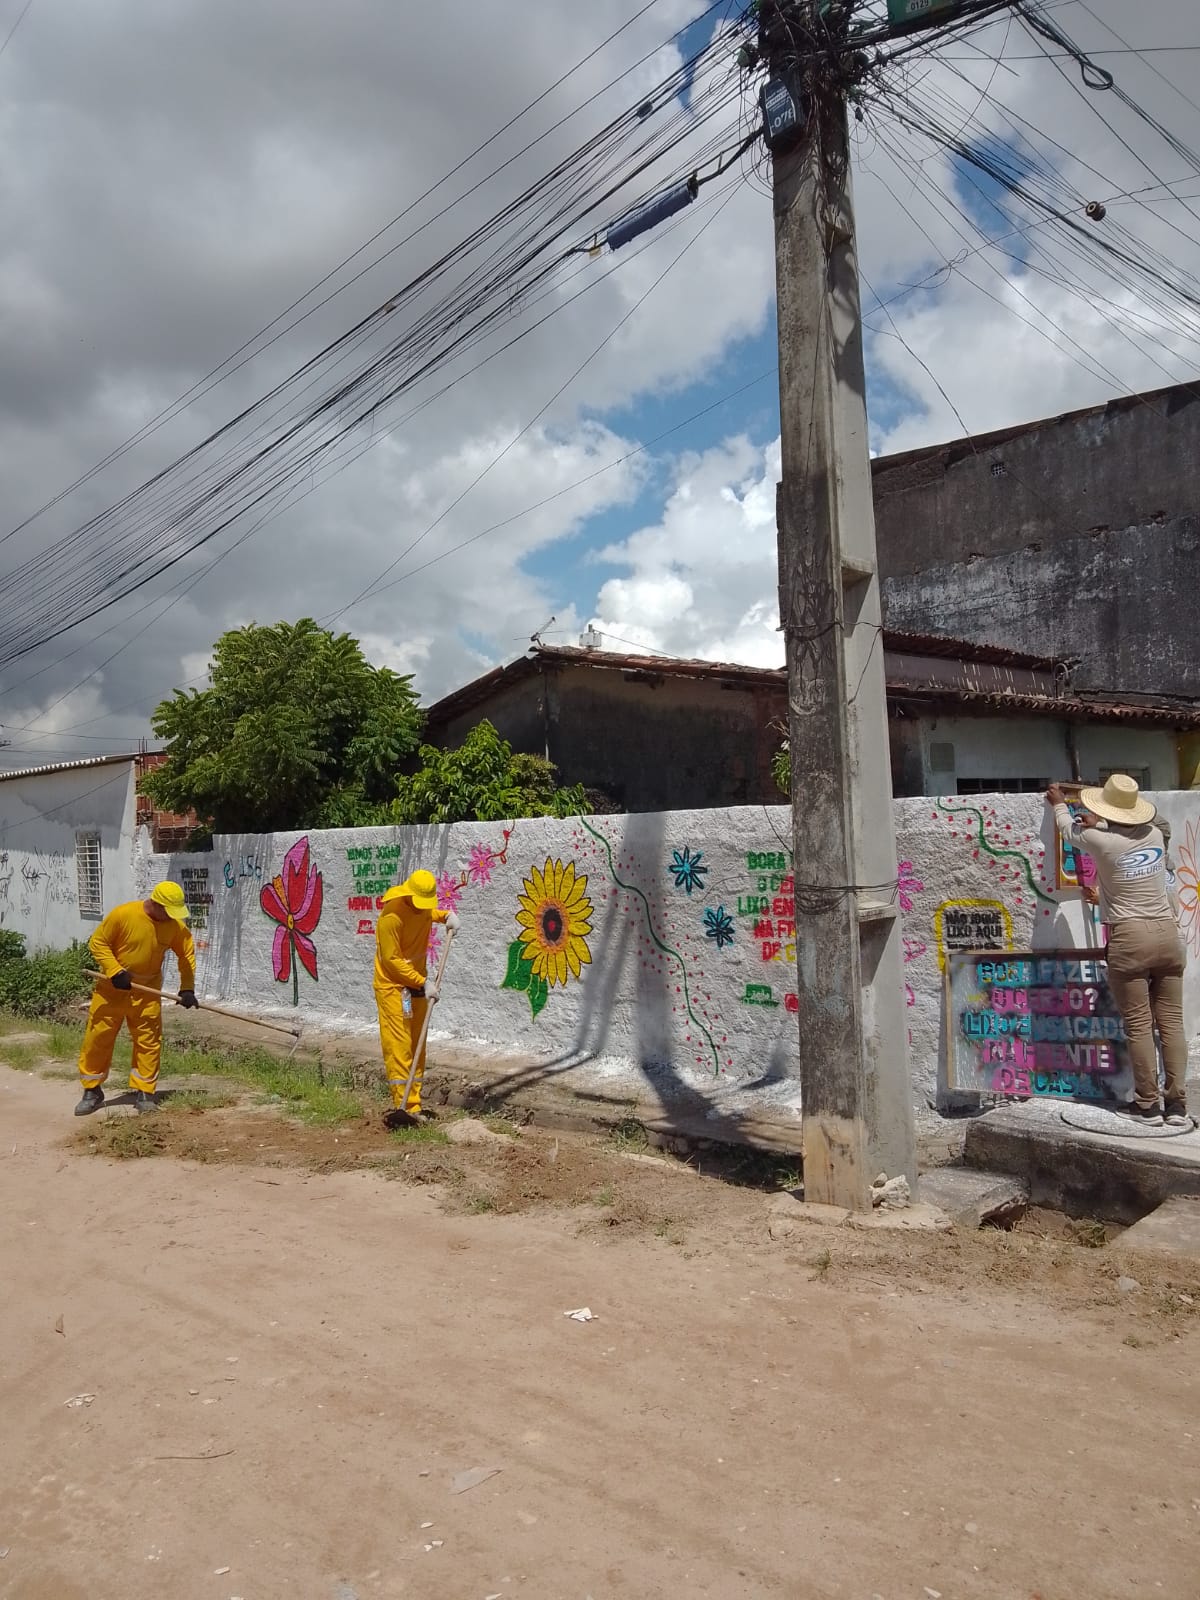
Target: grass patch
{"points": [[1089, 1233], [822, 1262], [423, 1133], [499, 1124], [303, 1088], [125, 1138], [21, 1056], [630, 1134], [201, 1100], [606, 1196], [478, 1203]]}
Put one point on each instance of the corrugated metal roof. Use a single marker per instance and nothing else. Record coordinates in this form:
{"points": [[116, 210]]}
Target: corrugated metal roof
{"points": [[63, 766]]}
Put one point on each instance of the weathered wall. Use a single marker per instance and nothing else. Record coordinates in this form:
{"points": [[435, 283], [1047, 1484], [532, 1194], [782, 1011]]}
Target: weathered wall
{"points": [[685, 925], [1061, 539], [651, 742], [39, 817]]}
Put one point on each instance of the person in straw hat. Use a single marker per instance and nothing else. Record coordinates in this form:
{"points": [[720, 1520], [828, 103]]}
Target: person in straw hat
{"points": [[1145, 952], [129, 947]]}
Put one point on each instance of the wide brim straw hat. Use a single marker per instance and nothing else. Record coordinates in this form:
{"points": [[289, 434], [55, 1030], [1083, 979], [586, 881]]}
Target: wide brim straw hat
{"points": [[1120, 801]]}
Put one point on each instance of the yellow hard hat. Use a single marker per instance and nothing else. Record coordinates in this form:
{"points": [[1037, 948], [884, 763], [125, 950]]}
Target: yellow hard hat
{"points": [[169, 896], [420, 887]]}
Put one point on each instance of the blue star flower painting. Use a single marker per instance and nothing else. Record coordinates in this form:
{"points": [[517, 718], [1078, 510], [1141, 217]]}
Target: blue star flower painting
{"points": [[685, 868], [718, 926]]}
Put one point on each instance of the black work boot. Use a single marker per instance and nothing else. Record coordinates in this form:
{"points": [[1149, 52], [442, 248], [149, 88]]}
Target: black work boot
{"points": [[144, 1102], [92, 1100]]}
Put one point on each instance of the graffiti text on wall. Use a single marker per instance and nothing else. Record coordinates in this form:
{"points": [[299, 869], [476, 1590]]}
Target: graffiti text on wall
{"points": [[1036, 1024], [769, 905], [197, 894], [373, 870], [971, 925]]}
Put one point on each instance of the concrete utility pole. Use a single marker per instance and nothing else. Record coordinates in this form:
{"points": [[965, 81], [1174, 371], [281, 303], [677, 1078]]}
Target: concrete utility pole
{"points": [[853, 1024]]}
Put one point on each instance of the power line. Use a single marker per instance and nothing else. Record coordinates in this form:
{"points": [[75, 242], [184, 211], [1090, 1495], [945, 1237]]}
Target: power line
{"points": [[8, 37]]}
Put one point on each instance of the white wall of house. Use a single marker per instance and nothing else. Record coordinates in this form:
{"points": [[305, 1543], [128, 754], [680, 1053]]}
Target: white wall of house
{"points": [[690, 932], [996, 749], [43, 820]]}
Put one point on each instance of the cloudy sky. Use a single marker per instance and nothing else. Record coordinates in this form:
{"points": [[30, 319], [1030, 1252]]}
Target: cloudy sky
{"points": [[176, 174]]}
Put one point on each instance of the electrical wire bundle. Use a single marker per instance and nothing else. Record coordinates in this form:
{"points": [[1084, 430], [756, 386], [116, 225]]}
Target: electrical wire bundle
{"points": [[518, 258]]}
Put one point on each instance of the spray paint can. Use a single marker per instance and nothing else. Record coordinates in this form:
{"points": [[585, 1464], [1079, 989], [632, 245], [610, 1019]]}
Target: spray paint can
{"points": [[406, 1003]]}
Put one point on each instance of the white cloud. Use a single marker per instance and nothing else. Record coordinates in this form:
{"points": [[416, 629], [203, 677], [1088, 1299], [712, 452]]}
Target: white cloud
{"points": [[163, 202]]}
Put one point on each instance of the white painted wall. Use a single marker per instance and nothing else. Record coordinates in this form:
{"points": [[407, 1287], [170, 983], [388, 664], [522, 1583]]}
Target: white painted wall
{"points": [[39, 818], [662, 996], [993, 748]]}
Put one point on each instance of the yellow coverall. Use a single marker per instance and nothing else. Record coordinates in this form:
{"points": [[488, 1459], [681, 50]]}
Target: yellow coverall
{"points": [[401, 947], [128, 940]]}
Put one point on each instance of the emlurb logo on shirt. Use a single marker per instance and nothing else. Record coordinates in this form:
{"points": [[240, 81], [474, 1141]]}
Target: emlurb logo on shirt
{"points": [[1143, 863]]}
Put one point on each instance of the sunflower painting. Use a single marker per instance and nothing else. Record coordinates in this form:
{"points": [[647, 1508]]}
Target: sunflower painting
{"points": [[554, 917]]}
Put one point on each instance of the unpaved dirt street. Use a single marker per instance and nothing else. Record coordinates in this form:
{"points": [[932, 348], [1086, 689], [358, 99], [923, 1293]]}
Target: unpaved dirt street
{"points": [[290, 1367]]}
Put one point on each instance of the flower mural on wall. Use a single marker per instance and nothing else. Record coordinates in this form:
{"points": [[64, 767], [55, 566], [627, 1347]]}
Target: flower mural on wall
{"points": [[554, 916], [718, 926], [449, 892], [481, 863], [687, 870], [293, 899], [908, 885], [1187, 879]]}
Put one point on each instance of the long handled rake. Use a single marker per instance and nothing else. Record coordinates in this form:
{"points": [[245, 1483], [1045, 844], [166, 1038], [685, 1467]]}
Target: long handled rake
{"points": [[420, 1045], [221, 1011]]}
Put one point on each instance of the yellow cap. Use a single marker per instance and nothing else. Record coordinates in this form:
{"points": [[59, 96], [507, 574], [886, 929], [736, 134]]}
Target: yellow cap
{"points": [[169, 896], [420, 887]]}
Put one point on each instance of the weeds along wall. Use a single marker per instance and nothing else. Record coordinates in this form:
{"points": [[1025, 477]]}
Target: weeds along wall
{"points": [[660, 944]]}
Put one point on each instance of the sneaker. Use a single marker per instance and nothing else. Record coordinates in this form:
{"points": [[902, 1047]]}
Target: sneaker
{"points": [[145, 1102], [92, 1100], [1144, 1119], [1176, 1115]]}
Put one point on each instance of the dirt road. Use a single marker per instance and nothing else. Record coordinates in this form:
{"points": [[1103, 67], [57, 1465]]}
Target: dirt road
{"points": [[290, 1368]]}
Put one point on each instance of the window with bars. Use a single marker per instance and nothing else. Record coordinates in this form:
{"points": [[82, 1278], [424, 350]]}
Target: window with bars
{"points": [[88, 873]]}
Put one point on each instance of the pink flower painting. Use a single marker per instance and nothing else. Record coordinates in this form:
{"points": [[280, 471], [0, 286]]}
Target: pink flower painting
{"points": [[293, 899], [449, 892], [908, 885], [480, 864]]}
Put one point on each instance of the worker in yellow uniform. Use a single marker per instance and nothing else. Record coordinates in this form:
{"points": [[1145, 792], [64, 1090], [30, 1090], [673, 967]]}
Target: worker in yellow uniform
{"points": [[128, 947], [402, 993]]}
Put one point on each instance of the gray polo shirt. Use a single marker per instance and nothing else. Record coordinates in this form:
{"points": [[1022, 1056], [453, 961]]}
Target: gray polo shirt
{"points": [[1131, 866]]}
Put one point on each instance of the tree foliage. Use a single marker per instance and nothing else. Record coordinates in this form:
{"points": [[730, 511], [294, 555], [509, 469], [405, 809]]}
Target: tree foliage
{"points": [[296, 730], [483, 781]]}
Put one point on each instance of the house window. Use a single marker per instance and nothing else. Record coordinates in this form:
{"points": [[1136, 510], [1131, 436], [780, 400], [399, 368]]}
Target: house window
{"points": [[1140, 775], [1000, 785], [88, 873]]}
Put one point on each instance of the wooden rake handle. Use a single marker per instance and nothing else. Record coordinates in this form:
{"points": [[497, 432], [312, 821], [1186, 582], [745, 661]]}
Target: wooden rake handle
{"points": [[220, 1011]]}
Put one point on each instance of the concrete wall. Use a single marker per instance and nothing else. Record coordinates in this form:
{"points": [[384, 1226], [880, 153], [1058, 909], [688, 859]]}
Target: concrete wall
{"points": [[995, 749], [689, 938], [649, 741], [39, 819], [1077, 544]]}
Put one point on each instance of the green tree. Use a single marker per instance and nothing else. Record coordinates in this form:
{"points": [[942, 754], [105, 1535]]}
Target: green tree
{"points": [[482, 781], [296, 730]]}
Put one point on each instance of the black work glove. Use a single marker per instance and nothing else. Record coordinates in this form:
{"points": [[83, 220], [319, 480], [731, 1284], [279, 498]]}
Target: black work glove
{"points": [[187, 999], [121, 980]]}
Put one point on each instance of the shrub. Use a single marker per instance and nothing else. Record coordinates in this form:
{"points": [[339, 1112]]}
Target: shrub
{"points": [[41, 984], [12, 945]]}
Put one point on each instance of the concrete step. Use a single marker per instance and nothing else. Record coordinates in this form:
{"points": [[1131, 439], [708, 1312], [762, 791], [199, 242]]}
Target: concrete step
{"points": [[1116, 1176], [1171, 1229], [973, 1198]]}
